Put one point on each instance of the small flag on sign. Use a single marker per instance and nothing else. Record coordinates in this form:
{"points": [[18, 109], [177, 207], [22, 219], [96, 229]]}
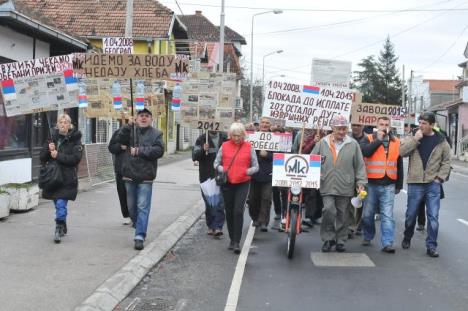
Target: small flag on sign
{"points": [[315, 160], [278, 159], [83, 101], [139, 103], [175, 104], [8, 90], [117, 102], [70, 81], [311, 89]]}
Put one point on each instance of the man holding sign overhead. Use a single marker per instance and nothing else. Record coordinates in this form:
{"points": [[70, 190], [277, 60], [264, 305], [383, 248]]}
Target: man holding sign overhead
{"points": [[343, 172]]}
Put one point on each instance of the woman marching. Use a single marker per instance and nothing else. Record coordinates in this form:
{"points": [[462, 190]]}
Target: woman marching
{"points": [[65, 148], [238, 160]]}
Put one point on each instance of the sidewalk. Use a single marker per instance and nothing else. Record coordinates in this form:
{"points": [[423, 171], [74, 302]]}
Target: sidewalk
{"points": [[460, 167], [37, 274]]}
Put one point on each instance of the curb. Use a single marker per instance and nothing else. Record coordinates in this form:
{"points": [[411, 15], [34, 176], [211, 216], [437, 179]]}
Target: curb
{"points": [[116, 288], [460, 169]]}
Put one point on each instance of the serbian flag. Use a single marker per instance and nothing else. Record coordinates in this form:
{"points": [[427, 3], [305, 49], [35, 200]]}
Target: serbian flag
{"points": [[315, 160], [311, 89], [117, 102], [278, 159], [175, 104], [70, 81], [139, 103], [83, 101], [8, 90]]}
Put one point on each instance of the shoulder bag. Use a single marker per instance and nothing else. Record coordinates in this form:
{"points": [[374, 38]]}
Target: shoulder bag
{"points": [[221, 178]]}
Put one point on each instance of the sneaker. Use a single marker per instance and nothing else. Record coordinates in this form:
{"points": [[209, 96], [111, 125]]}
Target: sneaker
{"points": [[340, 248], [432, 253], [388, 249], [420, 227], [282, 225], [366, 243], [377, 217], [210, 232], [263, 228], [139, 245], [277, 217], [405, 244], [218, 233], [237, 249], [308, 223], [231, 246], [327, 246]]}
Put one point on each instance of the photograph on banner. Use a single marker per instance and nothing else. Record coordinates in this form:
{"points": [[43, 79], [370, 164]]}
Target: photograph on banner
{"points": [[206, 112], [117, 45], [330, 72], [208, 99], [305, 104], [225, 100], [36, 67], [225, 116], [368, 113], [277, 142], [398, 123], [188, 113], [136, 66], [40, 93], [296, 170]]}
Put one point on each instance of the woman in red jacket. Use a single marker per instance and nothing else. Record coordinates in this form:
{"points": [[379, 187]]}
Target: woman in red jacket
{"points": [[236, 157]]}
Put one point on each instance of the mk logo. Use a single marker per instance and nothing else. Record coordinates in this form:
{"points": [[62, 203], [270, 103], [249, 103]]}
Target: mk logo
{"points": [[297, 165]]}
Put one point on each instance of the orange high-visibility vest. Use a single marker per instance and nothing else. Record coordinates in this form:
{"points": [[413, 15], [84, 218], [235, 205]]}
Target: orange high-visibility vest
{"points": [[380, 164]]}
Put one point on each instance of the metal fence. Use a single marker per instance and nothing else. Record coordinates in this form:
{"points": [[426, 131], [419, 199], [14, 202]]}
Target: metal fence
{"points": [[99, 164]]}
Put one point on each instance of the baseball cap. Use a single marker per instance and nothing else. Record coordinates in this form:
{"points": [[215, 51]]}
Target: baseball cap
{"points": [[339, 120], [145, 111]]}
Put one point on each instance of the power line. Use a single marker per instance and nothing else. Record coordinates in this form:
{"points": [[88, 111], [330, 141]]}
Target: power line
{"points": [[328, 10], [180, 9]]}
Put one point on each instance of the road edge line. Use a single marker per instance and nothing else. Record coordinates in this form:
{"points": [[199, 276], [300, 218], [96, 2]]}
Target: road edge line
{"points": [[463, 221], [233, 296], [117, 287]]}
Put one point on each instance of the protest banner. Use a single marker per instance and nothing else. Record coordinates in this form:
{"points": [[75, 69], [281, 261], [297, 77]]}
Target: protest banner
{"points": [[36, 67], [38, 93], [329, 72], [117, 45], [278, 142], [296, 169], [303, 104], [367, 113], [136, 66]]}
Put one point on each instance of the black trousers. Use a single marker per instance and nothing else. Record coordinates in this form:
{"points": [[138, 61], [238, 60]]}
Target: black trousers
{"points": [[234, 196], [280, 200], [122, 192]]}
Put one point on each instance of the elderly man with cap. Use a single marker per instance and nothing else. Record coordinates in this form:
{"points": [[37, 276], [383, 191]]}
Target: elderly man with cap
{"points": [[342, 173], [139, 169]]}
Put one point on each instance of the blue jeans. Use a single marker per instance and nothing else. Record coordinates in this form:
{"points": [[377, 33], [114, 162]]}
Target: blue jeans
{"points": [[430, 194], [61, 209], [383, 197], [139, 206], [214, 214]]}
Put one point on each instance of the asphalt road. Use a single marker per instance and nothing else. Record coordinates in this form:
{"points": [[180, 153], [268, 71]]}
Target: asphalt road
{"points": [[197, 274]]}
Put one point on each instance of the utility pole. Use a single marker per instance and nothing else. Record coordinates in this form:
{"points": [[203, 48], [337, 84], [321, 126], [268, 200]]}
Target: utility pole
{"points": [[221, 39], [403, 87]]}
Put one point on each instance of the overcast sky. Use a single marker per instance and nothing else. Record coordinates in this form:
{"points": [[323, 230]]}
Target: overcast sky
{"points": [[430, 39]]}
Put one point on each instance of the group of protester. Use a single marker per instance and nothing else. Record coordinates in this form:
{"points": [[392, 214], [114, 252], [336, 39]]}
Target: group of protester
{"points": [[351, 163]]}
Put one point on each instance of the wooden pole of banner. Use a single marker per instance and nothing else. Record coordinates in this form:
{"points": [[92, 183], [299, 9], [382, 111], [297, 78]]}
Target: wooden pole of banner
{"points": [[206, 141], [133, 112], [302, 138]]}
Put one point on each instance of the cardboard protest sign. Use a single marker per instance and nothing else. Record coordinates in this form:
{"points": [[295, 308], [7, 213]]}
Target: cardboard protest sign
{"points": [[299, 104], [116, 45], [136, 66], [38, 93], [279, 142], [332, 72], [296, 169], [36, 67], [367, 113], [208, 125]]}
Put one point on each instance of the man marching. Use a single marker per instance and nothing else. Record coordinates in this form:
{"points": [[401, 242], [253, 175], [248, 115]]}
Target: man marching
{"points": [[385, 174]]}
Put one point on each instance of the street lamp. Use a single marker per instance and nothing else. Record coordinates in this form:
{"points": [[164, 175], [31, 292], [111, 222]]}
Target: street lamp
{"points": [[263, 70], [251, 58]]}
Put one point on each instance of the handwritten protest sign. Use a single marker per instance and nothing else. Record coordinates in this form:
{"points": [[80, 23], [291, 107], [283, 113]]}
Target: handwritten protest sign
{"points": [[296, 169], [329, 71], [299, 104], [278, 142], [40, 93], [367, 113], [136, 66], [36, 67], [116, 45]]}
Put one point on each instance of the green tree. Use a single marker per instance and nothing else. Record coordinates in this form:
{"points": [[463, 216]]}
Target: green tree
{"points": [[379, 81]]}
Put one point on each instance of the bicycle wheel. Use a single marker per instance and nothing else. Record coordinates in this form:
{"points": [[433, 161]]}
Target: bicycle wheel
{"points": [[292, 232]]}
